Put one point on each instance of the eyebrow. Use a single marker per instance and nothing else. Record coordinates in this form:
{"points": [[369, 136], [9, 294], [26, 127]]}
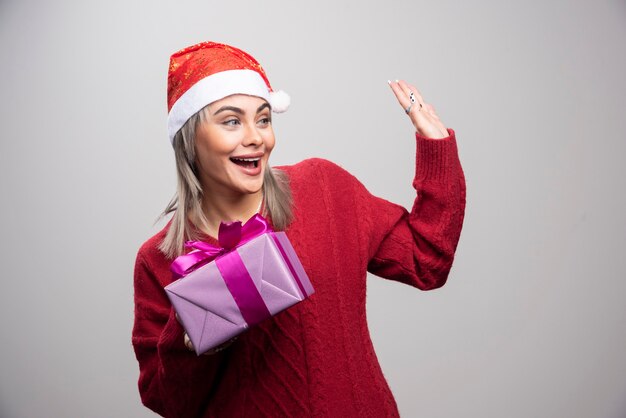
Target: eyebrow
{"points": [[239, 111]]}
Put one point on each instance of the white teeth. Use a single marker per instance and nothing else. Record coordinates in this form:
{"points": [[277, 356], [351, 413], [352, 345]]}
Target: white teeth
{"points": [[246, 159]]}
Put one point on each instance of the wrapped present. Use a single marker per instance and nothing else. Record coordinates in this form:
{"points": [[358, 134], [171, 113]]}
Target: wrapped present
{"points": [[222, 291]]}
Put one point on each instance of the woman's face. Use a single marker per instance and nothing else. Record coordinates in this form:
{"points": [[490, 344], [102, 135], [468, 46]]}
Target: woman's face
{"points": [[233, 145]]}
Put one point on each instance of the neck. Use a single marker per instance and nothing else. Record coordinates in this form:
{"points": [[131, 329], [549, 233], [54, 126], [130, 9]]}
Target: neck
{"points": [[218, 208]]}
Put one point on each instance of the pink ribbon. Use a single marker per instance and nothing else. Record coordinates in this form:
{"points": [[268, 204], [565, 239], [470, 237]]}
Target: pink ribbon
{"points": [[231, 235]]}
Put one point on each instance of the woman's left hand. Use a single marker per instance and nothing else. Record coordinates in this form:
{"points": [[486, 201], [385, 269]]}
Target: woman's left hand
{"points": [[422, 114]]}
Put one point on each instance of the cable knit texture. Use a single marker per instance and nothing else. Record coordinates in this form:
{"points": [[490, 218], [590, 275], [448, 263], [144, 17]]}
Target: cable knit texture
{"points": [[315, 359]]}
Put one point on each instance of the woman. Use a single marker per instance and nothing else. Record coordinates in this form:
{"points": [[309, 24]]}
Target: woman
{"points": [[315, 358]]}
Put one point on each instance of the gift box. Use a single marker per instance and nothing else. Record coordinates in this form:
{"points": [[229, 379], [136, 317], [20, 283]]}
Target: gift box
{"points": [[253, 275]]}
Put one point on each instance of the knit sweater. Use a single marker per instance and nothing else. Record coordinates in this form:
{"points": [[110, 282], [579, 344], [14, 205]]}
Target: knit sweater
{"points": [[316, 358]]}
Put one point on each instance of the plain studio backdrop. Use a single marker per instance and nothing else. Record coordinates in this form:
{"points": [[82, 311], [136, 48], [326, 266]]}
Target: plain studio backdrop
{"points": [[532, 321]]}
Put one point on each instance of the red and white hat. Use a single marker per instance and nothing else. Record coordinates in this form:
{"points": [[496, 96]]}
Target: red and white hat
{"points": [[203, 73]]}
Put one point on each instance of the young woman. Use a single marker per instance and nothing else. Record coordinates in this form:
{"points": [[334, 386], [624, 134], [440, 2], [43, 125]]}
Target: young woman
{"points": [[315, 358]]}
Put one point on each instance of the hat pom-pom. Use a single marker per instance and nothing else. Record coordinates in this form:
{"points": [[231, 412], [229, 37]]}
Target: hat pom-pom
{"points": [[280, 101]]}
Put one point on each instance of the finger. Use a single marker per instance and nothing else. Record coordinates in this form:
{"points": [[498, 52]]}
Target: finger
{"points": [[412, 88], [408, 89], [403, 99], [420, 104], [426, 107], [403, 95], [188, 342], [221, 347]]}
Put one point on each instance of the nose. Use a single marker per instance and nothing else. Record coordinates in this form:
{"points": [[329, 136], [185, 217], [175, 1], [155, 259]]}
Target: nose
{"points": [[252, 136]]}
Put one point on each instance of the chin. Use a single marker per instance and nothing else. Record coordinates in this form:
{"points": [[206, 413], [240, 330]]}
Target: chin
{"points": [[252, 185], [251, 188]]}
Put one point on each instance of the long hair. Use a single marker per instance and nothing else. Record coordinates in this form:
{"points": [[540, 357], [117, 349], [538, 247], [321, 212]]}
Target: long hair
{"points": [[187, 202]]}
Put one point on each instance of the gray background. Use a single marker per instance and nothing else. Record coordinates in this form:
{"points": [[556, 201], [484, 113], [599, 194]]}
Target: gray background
{"points": [[532, 321]]}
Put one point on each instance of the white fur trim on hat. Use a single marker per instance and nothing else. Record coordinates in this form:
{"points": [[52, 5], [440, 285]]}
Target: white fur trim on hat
{"points": [[212, 88]]}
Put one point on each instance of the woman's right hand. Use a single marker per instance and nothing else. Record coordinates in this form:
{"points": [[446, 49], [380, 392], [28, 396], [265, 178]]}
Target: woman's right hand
{"points": [[214, 350]]}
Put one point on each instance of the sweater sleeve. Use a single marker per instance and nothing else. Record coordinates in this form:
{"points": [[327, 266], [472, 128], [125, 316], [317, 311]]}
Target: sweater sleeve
{"points": [[417, 247], [173, 381]]}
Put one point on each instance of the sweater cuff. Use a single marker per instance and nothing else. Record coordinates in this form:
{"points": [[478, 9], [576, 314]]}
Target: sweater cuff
{"points": [[435, 159]]}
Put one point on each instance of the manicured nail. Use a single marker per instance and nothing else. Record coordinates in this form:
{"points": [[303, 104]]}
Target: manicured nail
{"points": [[388, 81], [397, 80]]}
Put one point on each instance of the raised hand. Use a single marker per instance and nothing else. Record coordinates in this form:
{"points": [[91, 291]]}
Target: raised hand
{"points": [[422, 114]]}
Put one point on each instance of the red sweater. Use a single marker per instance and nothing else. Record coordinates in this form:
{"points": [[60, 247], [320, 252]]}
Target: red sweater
{"points": [[315, 358]]}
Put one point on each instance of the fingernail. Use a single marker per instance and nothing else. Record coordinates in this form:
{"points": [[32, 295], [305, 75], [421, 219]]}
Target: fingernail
{"points": [[388, 81], [397, 80]]}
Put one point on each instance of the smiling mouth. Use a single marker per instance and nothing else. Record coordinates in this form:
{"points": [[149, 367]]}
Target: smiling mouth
{"points": [[246, 162]]}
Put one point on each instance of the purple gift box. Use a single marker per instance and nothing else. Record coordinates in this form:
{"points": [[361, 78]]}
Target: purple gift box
{"points": [[255, 276]]}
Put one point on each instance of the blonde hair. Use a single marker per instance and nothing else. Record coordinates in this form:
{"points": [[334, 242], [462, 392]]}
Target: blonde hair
{"points": [[187, 202]]}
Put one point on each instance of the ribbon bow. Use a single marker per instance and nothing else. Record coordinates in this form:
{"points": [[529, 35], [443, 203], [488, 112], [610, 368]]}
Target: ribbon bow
{"points": [[230, 236]]}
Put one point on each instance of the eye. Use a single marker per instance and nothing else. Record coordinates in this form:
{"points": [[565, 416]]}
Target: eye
{"points": [[265, 121], [231, 122]]}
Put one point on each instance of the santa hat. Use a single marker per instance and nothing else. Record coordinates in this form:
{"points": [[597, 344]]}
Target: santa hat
{"points": [[209, 71]]}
